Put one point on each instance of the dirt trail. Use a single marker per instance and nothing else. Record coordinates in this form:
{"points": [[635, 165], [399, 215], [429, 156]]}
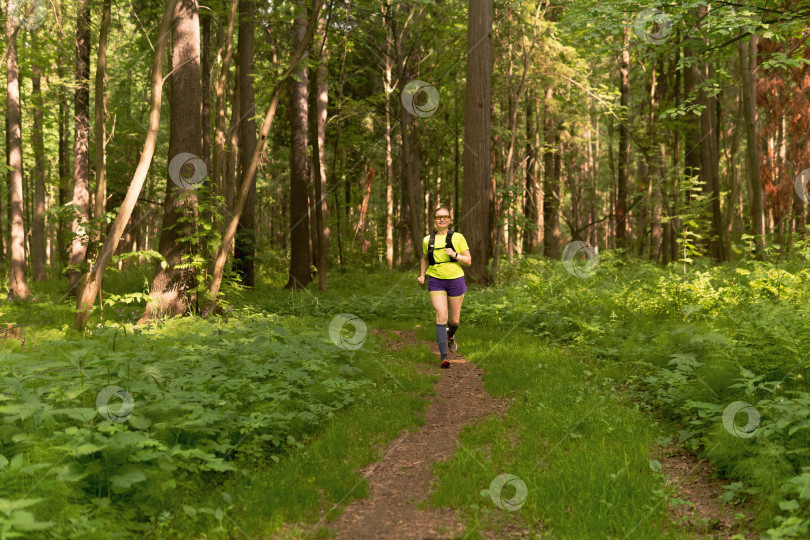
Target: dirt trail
{"points": [[402, 479]]}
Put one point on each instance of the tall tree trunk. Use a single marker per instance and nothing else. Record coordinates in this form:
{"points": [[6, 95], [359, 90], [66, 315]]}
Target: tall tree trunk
{"points": [[81, 143], [530, 196], [320, 85], [18, 286], [708, 162], [748, 62], [477, 119], [64, 154], [171, 284], [299, 175], [221, 122], [692, 129], [101, 113], [624, 143], [93, 278], [551, 182], [38, 253], [410, 161], [205, 66], [389, 159], [245, 246]]}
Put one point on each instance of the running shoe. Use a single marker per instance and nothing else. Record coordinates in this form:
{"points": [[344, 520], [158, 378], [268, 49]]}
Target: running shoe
{"points": [[451, 344], [445, 362]]}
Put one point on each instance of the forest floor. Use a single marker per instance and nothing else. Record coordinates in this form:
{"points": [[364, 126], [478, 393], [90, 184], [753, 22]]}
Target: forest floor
{"points": [[400, 484]]}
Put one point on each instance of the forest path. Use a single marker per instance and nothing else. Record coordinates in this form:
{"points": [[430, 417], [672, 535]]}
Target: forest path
{"points": [[401, 482]]}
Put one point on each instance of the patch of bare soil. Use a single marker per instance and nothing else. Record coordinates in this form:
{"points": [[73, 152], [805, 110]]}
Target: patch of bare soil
{"points": [[402, 480], [693, 480]]}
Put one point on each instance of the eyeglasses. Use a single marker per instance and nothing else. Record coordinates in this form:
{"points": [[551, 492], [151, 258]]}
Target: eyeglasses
{"points": [[439, 218]]}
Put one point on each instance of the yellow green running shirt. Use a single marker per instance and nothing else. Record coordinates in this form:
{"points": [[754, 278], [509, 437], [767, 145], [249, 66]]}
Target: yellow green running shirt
{"points": [[448, 270]]}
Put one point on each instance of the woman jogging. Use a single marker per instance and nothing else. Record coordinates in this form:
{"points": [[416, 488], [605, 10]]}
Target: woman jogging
{"points": [[444, 252]]}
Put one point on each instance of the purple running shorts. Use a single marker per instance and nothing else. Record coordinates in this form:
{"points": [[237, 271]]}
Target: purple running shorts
{"points": [[453, 287]]}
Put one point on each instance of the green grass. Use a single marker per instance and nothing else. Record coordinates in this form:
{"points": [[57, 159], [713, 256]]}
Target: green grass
{"points": [[582, 450]]}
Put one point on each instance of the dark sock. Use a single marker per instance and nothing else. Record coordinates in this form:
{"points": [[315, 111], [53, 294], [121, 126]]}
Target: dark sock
{"points": [[452, 330], [441, 338]]}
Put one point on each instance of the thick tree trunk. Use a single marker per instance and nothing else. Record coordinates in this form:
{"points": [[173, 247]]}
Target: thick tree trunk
{"points": [[205, 66], [93, 279], [245, 246], [748, 62], [171, 285], [81, 143], [18, 286], [551, 182], [476, 194], [299, 273], [38, 240]]}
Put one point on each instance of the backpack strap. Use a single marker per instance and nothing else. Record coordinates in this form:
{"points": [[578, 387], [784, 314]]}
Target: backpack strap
{"points": [[448, 242], [431, 243]]}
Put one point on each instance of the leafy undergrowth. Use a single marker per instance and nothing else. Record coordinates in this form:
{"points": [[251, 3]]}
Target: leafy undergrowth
{"points": [[125, 432], [216, 402]]}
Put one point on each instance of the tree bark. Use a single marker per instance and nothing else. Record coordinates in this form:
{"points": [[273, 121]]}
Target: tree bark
{"points": [[100, 115], [18, 286], [320, 85], [93, 279], [551, 182], [81, 143], [299, 275], [624, 143], [245, 246], [708, 162], [38, 252], [205, 66], [221, 122], [389, 160], [530, 196], [748, 62], [64, 156], [171, 285], [476, 190]]}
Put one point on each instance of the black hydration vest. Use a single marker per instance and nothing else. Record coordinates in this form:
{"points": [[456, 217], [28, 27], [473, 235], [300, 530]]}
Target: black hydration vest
{"points": [[448, 243]]}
